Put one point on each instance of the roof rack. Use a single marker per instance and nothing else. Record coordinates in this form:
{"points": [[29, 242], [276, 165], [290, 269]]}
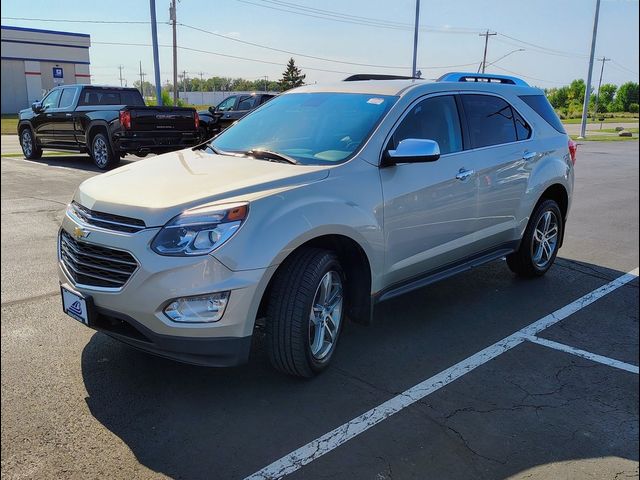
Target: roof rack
{"points": [[374, 76], [481, 77]]}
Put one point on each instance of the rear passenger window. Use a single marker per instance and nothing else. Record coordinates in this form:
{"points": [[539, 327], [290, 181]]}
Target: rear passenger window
{"points": [[523, 130], [543, 108], [491, 121], [435, 118]]}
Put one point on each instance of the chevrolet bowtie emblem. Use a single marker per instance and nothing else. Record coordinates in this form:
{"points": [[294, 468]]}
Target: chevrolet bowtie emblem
{"points": [[80, 233]]}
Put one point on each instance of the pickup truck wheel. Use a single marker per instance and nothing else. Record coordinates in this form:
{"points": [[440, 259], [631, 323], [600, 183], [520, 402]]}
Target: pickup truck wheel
{"points": [[29, 146], [305, 313], [540, 243], [101, 152]]}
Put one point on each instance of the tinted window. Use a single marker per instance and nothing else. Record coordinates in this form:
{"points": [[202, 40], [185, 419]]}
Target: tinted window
{"points": [[51, 100], [247, 103], [436, 119], [102, 96], [543, 108], [66, 100], [490, 120], [523, 130], [265, 99]]}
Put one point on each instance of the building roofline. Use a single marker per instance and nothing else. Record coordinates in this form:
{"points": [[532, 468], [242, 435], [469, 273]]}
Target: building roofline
{"points": [[39, 30]]}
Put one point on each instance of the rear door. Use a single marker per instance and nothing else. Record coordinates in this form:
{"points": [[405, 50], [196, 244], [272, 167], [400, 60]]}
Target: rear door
{"points": [[43, 123], [500, 140], [429, 208]]}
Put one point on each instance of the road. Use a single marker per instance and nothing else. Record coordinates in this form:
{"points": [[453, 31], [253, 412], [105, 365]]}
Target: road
{"points": [[76, 404]]}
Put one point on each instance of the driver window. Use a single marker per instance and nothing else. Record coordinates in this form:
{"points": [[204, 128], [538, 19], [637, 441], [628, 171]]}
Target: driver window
{"points": [[227, 104], [435, 118], [51, 100]]}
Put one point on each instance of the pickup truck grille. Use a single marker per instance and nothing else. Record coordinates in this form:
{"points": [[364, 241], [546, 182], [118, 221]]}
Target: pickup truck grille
{"points": [[107, 221], [93, 265]]}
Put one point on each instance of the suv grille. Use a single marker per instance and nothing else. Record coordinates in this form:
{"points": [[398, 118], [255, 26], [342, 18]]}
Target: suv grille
{"points": [[93, 265], [107, 220]]}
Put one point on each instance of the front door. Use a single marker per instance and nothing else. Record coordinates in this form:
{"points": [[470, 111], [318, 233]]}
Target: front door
{"points": [[43, 122], [429, 208]]}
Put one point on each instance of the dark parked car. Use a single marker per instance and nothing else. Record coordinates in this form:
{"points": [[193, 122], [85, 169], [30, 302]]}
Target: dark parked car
{"points": [[105, 122], [231, 109]]}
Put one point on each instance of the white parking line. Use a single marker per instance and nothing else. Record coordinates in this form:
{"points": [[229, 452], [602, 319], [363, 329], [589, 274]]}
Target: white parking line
{"points": [[336, 437], [584, 354]]}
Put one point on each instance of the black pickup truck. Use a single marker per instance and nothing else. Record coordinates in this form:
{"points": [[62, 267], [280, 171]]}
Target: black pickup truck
{"points": [[230, 110], [105, 122]]}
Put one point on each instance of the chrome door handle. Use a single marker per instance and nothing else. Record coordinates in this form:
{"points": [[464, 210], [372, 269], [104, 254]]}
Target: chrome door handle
{"points": [[464, 174], [529, 155], [67, 114]]}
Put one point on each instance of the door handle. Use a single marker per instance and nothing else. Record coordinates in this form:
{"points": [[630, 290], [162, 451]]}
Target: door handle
{"points": [[529, 155], [67, 114], [464, 174]]}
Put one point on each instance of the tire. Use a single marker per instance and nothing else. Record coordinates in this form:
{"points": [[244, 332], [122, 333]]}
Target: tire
{"points": [[294, 341], [534, 257], [30, 148], [101, 152]]}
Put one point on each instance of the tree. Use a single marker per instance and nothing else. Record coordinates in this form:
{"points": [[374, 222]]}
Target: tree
{"points": [[606, 96], [627, 94], [292, 76], [148, 89]]}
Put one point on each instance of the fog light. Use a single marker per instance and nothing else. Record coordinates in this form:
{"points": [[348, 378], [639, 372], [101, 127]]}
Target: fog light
{"points": [[198, 309]]}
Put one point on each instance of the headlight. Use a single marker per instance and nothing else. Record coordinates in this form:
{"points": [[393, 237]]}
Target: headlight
{"points": [[200, 230]]}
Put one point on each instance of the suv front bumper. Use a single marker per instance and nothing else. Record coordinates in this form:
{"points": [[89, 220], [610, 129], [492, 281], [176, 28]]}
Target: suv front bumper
{"points": [[134, 313]]}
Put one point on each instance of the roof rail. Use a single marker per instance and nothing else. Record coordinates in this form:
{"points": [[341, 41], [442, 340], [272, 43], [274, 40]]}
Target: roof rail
{"points": [[375, 76], [482, 77]]}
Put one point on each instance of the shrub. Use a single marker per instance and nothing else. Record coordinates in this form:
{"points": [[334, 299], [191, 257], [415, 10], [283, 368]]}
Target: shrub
{"points": [[633, 108]]}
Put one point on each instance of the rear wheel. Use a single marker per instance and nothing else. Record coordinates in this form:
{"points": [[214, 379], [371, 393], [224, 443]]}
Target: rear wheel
{"points": [[305, 313], [540, 243], [29, 146], [101, 152]]}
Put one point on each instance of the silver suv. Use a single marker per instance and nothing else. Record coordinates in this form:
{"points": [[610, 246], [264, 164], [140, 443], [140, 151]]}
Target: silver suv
{"points": [[313, 208]]}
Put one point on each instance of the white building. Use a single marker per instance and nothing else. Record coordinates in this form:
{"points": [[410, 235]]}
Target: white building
{"points": [[34, 61]]}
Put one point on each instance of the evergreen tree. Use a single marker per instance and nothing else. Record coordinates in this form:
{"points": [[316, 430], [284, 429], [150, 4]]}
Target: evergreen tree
{"points": [[292, 76]]}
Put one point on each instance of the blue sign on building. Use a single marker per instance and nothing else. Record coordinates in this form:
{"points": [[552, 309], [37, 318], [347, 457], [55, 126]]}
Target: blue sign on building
{"points": [[57, 72]]}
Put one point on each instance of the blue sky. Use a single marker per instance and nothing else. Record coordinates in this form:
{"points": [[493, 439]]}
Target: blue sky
{"points": [[555, 34]]}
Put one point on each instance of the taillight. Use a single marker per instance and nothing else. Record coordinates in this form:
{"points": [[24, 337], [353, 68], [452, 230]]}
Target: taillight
{"points": [[125, 119], [573, 150], [196, 119]]}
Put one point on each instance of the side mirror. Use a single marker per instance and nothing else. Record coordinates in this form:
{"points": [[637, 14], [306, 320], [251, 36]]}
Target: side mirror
{"points": [[36, 107], [212, 110], [412, 150]]}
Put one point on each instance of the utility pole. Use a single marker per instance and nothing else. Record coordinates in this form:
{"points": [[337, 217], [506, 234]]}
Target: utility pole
{"points": [[587, 92], [486, 36], [184, 83], [414, 67], [202, 88], [120, 67], [603, 60], [156, 56], [266, 83], [141, 80], [173, 17]]}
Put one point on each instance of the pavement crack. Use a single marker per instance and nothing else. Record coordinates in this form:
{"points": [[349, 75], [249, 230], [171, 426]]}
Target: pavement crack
{"points": [[20, 301]]}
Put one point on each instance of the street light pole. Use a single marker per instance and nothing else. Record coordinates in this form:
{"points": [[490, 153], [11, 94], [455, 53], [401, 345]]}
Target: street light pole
{"points": [[587, 92], [414, 68], [504, 56], [174, 19]]}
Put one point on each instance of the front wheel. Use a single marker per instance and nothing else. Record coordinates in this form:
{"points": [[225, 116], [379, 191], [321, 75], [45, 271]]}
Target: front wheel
{"points": [[29, 146], [540, 243], [305, 312], [101, 152]]}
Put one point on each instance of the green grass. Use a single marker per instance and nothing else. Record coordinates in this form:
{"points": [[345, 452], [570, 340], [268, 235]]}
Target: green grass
{"points": [[613, 130], [44, 155], [606, 120], [9, 124], [603, 138]]}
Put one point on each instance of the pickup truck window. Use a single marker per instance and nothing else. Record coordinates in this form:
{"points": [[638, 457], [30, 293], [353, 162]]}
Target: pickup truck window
{"points": [[66, 100], [51, 100], [247, 103], [103, 96], [227, 104]]}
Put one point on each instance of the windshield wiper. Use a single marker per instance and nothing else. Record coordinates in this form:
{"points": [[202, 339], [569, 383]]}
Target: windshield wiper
{"points": [[270, 156]]}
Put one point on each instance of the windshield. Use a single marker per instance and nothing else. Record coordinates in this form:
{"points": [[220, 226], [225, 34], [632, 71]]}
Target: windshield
{"points": [[311, 128]]}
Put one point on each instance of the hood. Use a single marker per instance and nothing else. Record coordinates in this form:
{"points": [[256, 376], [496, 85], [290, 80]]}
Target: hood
{"points": [[158, 188]]}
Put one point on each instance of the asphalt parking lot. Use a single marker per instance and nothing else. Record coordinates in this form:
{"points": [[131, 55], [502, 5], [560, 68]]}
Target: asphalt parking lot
{"points": [[76, 404]]}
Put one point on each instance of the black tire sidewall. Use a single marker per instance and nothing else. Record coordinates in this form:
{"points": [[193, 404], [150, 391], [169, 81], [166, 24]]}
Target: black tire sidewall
{"points": [[36, 152], [110, 160], [332, 264], [547, 205]]}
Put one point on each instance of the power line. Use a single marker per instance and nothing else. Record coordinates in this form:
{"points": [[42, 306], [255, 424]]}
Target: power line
{"points": [[527, 76], [66, 20], [616, 64], [543, 48]]}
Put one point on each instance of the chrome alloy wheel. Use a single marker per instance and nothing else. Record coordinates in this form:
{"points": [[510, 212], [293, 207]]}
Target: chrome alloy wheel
{"points": [[27, 143], [100, 152], [326, 315], [545, 239]]}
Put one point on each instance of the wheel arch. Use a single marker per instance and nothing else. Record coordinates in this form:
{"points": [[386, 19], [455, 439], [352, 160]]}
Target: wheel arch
{"points": [[559, 194]]}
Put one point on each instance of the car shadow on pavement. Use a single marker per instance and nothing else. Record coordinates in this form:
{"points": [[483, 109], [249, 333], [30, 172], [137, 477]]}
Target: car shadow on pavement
{"points": [[195, 422], [79, 162]]}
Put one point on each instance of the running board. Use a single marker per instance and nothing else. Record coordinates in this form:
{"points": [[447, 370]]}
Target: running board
{"points": [[442, 273]]}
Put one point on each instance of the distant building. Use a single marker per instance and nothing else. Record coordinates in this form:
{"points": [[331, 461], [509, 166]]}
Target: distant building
{"points": [[34, 61]]}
